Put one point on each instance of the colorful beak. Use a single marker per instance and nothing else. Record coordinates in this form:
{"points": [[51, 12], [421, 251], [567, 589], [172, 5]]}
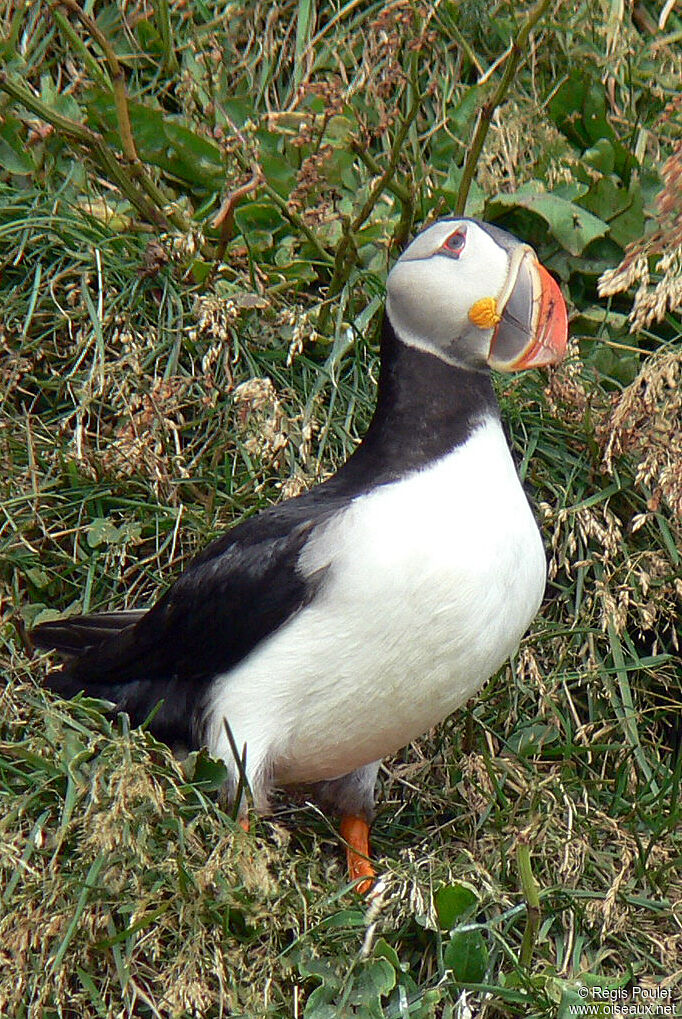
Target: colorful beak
{"points": [[533, 326]]}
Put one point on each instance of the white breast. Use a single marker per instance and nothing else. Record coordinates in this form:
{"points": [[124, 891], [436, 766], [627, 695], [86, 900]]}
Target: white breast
{"points": [[431, 582]]}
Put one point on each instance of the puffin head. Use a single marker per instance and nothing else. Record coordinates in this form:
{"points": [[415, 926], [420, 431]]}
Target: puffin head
{"points": [[474, 295]]}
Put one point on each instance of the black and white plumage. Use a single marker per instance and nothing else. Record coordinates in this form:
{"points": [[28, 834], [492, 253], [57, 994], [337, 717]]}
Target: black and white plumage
{"points": [[332, 629]]}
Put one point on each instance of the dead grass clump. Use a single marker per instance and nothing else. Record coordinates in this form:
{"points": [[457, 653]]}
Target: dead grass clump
{"points": [[148, 440], [645, 423], [568, 394], [516, 132], [663, 247], [137, 877], [261, 420]]}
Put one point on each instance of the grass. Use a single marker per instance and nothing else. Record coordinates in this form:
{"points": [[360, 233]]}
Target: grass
{"points": [[189, 333]]}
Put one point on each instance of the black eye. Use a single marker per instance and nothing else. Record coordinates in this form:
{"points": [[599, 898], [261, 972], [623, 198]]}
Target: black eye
{"points": [[454, 245]]}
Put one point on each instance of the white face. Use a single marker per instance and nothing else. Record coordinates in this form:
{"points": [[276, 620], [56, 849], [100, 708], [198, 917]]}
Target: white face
{"points": [[438, 279]]}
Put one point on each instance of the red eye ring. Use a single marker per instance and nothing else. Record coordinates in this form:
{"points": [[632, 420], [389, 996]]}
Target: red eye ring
{"points": [[454, 244]]}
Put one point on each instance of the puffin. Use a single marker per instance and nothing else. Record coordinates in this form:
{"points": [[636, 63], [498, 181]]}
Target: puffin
{"points": [[328, 631]]}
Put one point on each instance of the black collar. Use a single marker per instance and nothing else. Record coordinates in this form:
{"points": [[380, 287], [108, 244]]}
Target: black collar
{"points": [[425, 408]]}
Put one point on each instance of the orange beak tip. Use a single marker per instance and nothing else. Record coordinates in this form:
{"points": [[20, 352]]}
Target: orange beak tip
{"points": [[549, 344]]}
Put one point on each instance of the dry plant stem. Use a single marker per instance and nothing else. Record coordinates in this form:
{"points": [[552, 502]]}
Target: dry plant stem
{"points": [[288, 213], [400, 192], [117, 78], [346, 252], [485, 115], [531, 895], [93, 143], [67, 30], [163, 24], [224, 218], [15, 25], [137, 168]]}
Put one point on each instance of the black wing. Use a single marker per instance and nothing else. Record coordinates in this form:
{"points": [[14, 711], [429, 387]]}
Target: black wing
{"points": [[241, 589]]}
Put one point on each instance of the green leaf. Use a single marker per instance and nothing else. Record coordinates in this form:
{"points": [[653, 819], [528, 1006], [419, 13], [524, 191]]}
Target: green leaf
{"points": [[623, 366], [628, 225], [159, 140], [43, 616], [39, 578], [304, 24], [382, 950], [564, 106], [339, 129], [204, 770], [102, 532], [239, 109], [318, 1006], [601, 156], [278, 171], [14, 156], [578, 108], [572, 226], [258, 216], [530, 739], [452, 901], [606, 198], [201, 270], [449, 189], [466, 956], [595, 122], [374, 981]]}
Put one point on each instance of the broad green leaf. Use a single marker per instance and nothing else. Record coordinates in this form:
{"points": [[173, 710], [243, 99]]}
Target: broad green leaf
{"points": [[530, 739], [339, 129], [36, 576], [318, 1006], [160, 141], [452, 901], [622, 366], [466, 956], [102, 531], [578, 108], [205, 770], [606, 198], [148, 36], [601, 156], [595, 122], [382, 950], [344, 919], [375, 980], [621, 207], [42, 616], [571, 225], [628, 225], [239, 109], [201, 270], [14, 156], [258, 216], [279, 173]]}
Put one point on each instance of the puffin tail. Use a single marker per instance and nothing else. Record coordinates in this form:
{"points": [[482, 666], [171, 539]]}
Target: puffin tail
{"points": [[106, 656], [76, 636]]}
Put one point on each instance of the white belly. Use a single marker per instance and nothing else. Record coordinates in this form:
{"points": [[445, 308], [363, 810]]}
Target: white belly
{"points": [[431, 583]]}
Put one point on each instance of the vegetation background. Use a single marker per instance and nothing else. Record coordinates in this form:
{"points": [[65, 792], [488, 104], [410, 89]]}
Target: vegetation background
{"points": [[199, 203]]}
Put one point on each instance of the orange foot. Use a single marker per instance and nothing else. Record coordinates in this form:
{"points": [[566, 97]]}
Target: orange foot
{"points": [[355, 832]]}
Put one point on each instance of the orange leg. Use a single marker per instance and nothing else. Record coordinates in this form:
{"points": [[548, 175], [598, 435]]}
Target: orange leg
{"points": [[355, 831], [244, 823]]}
